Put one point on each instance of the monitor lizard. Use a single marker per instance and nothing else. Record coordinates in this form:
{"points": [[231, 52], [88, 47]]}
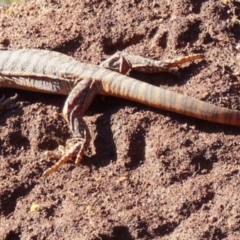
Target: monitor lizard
{"points": [[56, 73]]}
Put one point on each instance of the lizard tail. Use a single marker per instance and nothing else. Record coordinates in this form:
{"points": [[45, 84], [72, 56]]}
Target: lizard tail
{"points": [[125, 87]]}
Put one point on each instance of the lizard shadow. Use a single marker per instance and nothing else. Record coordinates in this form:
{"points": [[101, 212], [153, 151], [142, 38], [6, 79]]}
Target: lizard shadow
{"points": [[105, 147], [104, 142]]}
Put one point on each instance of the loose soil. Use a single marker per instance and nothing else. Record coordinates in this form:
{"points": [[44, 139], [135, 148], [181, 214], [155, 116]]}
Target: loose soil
{"points": [[148, 174]]}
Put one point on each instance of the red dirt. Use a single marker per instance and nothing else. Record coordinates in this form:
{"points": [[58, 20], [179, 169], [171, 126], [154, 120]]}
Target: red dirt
{"points": [[149, 174]]}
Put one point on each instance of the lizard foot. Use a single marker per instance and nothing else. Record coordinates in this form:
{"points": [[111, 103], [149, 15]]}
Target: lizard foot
{"points": [[8, 103], [75, 147]]}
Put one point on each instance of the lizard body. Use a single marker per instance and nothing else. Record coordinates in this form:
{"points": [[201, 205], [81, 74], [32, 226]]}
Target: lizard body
{"points": [[55, 73]]}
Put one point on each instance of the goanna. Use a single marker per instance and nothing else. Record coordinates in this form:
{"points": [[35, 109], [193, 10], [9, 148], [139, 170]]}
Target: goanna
{"points": [[55, 73]]}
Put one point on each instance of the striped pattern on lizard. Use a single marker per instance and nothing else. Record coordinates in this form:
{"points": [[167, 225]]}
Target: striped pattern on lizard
{"points": [[55, 73]]}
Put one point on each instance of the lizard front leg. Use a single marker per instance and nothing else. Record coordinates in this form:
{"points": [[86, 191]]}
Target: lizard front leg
{"points": [[77, 102], [123, 62], [6, 104]]}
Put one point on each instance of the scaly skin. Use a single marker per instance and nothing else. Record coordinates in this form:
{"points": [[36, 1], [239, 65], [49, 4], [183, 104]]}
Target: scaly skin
{"points": [[55, 73]]}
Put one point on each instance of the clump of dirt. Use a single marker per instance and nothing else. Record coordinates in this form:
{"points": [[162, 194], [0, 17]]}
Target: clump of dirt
{"points": [[149, 174]]}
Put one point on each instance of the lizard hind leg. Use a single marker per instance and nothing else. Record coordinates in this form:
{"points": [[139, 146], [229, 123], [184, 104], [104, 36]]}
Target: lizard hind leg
{"points": [[118, 63], [77, 102], [124, 62]]}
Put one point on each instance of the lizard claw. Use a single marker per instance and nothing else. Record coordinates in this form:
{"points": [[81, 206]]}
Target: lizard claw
{"points": [[74, 148]]}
